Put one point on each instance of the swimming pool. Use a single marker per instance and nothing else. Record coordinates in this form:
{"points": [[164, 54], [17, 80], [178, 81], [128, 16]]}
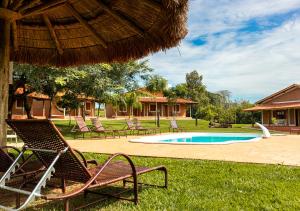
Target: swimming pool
{"points": [[199, 138]]}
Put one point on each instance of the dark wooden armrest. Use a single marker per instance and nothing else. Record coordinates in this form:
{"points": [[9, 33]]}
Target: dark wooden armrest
{"points": [[88, 183], [77, 152], [94, 162]]}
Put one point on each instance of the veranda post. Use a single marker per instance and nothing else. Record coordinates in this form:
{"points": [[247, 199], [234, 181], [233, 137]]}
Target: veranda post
{"points": [[5, 25]]}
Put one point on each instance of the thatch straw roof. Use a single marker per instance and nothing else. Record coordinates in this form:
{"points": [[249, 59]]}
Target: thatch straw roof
{"points": [[74, 32]]}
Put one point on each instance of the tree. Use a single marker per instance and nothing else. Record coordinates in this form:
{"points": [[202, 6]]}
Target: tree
{"points": [[70, 102], [128, 75], [46, 80], [116, 100], [181, 90], [156, 83], [132, 102]]}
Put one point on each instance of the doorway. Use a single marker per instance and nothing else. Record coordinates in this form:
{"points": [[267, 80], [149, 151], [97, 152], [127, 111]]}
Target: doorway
{"points": [[166, 111]]}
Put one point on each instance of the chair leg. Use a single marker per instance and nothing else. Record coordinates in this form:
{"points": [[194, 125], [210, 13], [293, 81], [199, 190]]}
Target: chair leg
{"points": [[67, 204], [18, 200], [135, 190], [85, 193], [166, 177], [63, 185]]}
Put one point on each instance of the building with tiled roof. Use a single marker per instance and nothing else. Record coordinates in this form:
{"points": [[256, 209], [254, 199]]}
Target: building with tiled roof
{"points": [[153, 103], [281, 110]]}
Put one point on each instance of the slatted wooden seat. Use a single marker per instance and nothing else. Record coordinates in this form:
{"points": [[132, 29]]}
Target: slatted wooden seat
{"points": [[174, 126], [138, 125], [80, 127], [43, 138], [99, 128], [131, 126]]}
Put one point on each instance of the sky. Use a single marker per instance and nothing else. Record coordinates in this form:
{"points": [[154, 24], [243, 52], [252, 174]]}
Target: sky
{"points": [[249, 47]]}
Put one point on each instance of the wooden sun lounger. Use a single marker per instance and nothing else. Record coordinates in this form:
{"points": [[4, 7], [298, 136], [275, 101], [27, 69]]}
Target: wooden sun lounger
{"points": [[80, 127], [131, 126], [174, 126], [99, 128], [138, 125], [45, 141]]}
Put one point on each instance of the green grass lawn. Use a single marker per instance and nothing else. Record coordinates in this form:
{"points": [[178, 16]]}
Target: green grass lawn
{"points": [[209, 185], [189, 125], [201, 184]]}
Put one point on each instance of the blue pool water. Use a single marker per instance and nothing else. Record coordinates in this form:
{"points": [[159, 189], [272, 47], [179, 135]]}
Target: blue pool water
{"points": [[209, 139], [199, 138]]}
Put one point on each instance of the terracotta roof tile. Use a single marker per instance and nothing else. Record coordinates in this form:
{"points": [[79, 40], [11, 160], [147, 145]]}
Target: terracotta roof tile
{"points": [[274, 106], [164, 100]]}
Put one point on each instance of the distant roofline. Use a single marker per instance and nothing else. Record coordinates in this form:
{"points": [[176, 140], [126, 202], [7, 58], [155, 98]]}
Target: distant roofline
{"points": [[276, 94]]}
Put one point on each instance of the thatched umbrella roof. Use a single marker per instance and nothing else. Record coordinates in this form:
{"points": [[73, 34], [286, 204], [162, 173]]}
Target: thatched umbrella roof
{"points": [[63, 33], [74, 32]]}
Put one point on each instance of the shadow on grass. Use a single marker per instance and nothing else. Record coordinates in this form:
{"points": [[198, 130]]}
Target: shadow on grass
{"points": [[95, 201]]}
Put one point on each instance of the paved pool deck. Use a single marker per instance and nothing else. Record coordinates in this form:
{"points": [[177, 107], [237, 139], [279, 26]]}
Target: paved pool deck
{"points": [[283, 150]]}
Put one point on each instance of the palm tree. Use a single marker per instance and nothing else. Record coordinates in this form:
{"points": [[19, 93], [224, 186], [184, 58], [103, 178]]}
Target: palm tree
{"points": [[132, 102]]}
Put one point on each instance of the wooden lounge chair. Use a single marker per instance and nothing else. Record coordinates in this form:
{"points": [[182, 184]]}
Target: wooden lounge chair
{"points": [[131, 126], [45, 141], [99, 128], [80, 127], [174, 126], [138, 125]]}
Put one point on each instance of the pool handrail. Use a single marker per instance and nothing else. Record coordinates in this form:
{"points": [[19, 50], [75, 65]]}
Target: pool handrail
{"points": [[266, 132]]}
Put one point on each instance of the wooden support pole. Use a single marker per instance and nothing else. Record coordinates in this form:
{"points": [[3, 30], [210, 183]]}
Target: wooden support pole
{"points": [[7, 14], [28, 5], [86, 25], [53, 34], [15, 35], [4, 73], [133, 26], [40, 9], [16, 4]]}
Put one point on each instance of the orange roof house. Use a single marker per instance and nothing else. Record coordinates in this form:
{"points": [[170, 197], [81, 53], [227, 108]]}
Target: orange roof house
{"points": [[153, 103], [40, 105], [281, 110]]}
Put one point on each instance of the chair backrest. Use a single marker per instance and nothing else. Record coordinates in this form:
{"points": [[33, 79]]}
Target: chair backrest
{"points": [[5, 160], [130, 124], [138, 124], [173, 124], [42, 134], [81, 124], [97, 124]]}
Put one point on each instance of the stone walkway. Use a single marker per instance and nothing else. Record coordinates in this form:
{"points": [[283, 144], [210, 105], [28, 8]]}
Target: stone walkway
{"points": [[275, 150]]}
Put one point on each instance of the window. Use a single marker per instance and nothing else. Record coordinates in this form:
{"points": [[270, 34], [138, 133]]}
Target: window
{"points": [[280, 114], [88, 106], [152, 108], [122, 108], [19, 103], [177, 108]]}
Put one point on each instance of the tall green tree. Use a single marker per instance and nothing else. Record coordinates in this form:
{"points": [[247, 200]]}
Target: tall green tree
{"points": [[46, 80], [156, 83]]}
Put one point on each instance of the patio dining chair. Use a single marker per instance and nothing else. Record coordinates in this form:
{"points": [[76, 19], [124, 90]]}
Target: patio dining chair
{"points": [[174, 126], [80, 127], [99, 128], [46, 142]]}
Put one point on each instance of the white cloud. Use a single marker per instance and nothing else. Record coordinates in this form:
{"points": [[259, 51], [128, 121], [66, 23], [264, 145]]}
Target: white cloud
{"points": [[265, 62]]}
